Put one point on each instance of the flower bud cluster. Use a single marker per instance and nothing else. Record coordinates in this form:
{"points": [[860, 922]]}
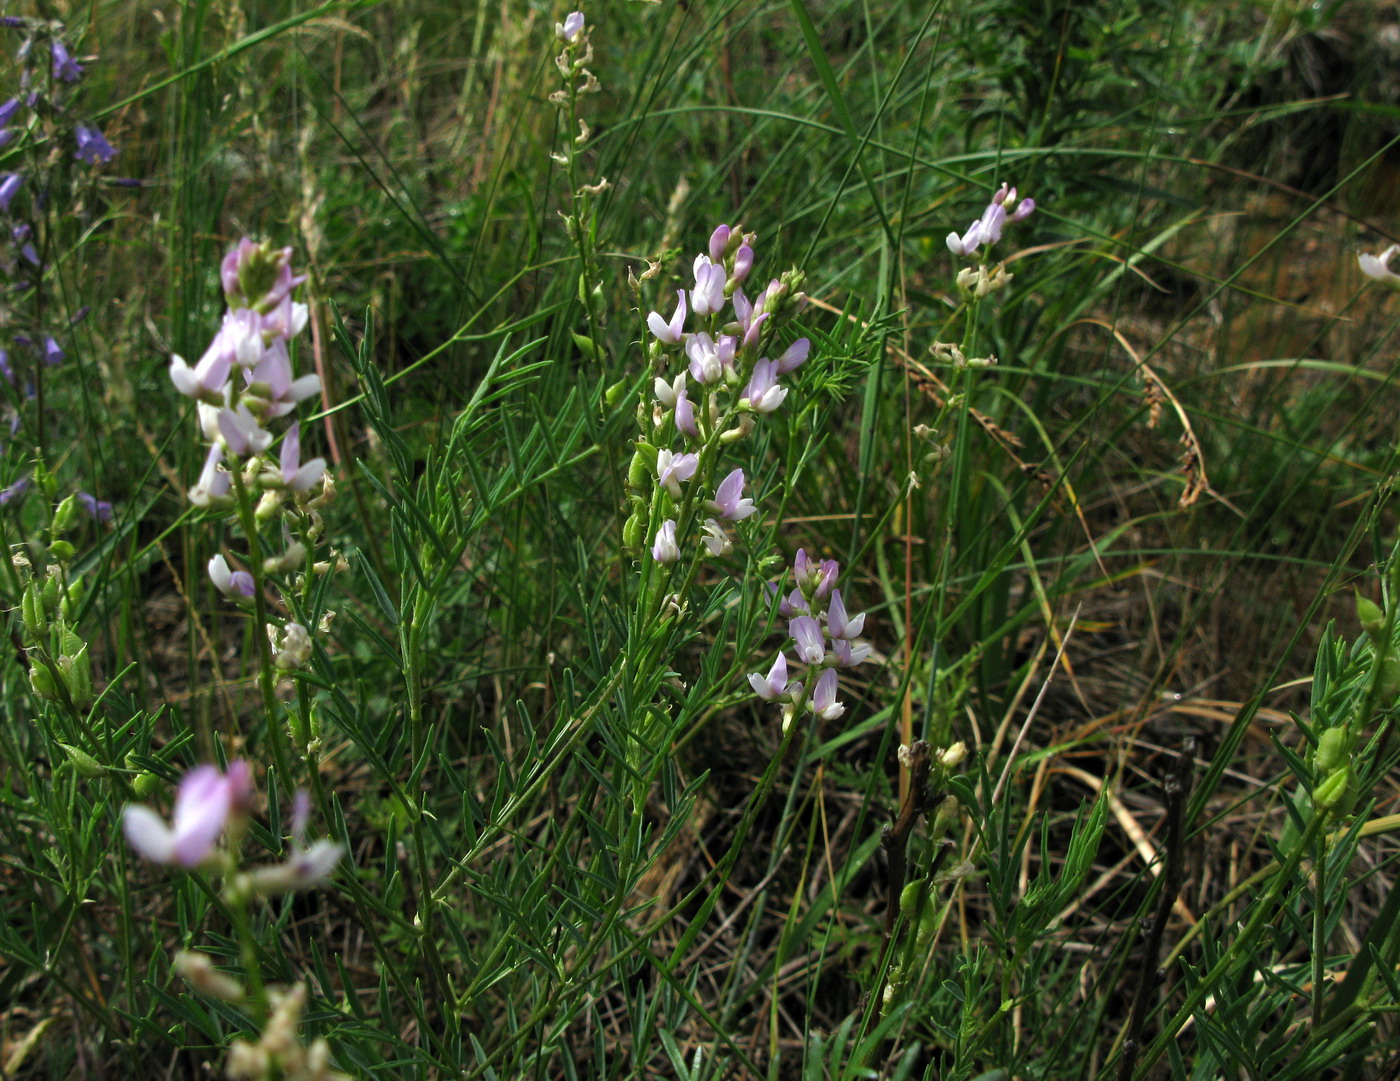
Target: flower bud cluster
{"points": [[822, 636], [727, 348]]}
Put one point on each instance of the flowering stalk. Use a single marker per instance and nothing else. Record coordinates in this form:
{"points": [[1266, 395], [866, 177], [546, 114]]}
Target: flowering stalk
{"points": [[242, 383]]}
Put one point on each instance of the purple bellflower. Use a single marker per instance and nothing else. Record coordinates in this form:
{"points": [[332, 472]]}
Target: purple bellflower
{"points": [[64, 66], [93, 146]]}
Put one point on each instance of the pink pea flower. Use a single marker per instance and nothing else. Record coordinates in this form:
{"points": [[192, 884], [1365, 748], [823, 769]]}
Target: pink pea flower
{"points": [[229, 583], [838, 624], [214, 482], [708, 295], [719, 242], [728, 503], [824, 703], [664, 549], [774, 685], [669, 333], [849, 654], [763, 393], [298, 477], [685, 417], [672, 469], [806, 635], [743, 263], [705, 364], [794, 356], [204, 804], [571, 27]]}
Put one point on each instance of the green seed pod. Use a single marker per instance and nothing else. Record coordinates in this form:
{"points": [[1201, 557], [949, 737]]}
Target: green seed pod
{"points": [[48, 592], [42, 681], [61, 551], [83, 762], [632, 531], [1388, 685], [65, 516], [32, 608], [1370, 614], [72, 598], [78, 672], [146, 785], [1332, 750], [1331, 793], [586, 345], [614, 393]]}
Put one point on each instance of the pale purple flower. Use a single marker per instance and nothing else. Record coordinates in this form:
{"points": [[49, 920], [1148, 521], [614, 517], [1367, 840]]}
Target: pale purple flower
{"points": [[993, 218], [9, 110], [719, 242], [206, 379], [806, 635], [794, 356], [305, 868], [763, 393], [715, 539], [1023, 211], [10, 184], [227, 582], [214, 481], [849, 654], [668, 393], [64, 66], [571, 27], [204, 803], [672, 469], [1377, 267], [232, 265], [1019, 210], [241, 432], [685, 417], [728, 502], [664, 548], [824, 703], [53, 352], [708, 295], [93, 146], [298, 477], [743, 309], [272, 380], [774, 685], [14, 491], [5, 369], [743, 263], [968, 242], [705, 363], [838, 624], [751, 335], [669, 333]]}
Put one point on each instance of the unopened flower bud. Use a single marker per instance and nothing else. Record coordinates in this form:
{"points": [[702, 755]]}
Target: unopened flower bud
{"points": [[1370, 614], [952, 757], [199, 972]]}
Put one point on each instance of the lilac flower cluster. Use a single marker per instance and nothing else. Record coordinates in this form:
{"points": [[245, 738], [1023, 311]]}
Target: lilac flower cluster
{"points": [[1004, 209], [208, 804], [245, 378], [814, 603], [730, 376]]}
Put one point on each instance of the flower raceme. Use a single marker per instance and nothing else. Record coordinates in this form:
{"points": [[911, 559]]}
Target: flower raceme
{"points": [[813, 603], [1004, 209], [725, 383], [245, 379]]}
